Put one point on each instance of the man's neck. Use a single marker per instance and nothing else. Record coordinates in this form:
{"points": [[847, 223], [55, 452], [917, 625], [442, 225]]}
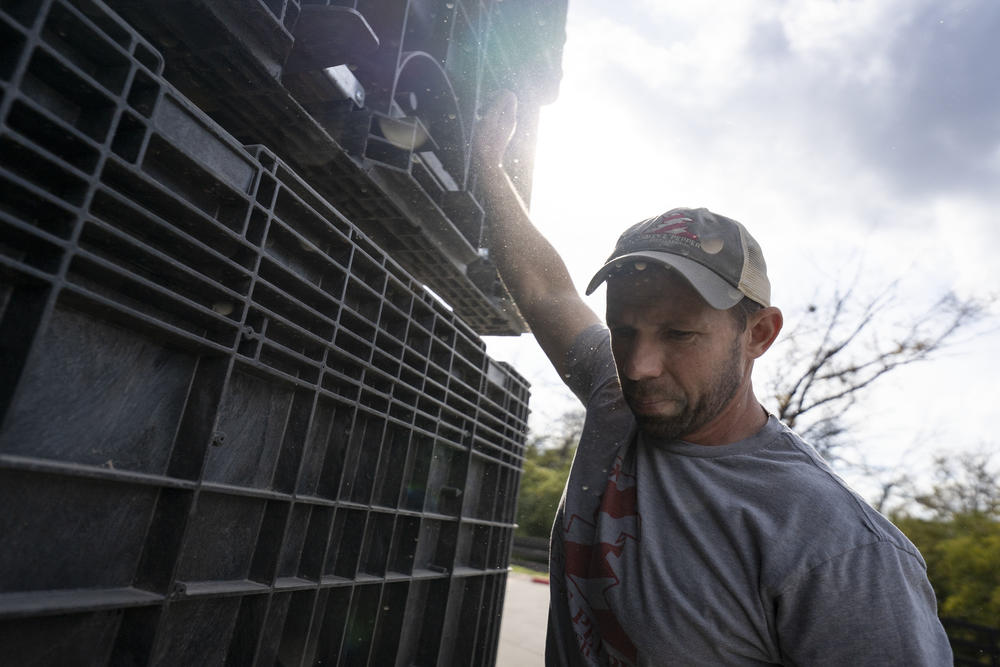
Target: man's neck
{"points": [[742, 417]]}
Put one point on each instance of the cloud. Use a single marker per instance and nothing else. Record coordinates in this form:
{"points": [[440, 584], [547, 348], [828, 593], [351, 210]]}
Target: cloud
{"points": [[938, 128], [874, 113], [906, 89]]}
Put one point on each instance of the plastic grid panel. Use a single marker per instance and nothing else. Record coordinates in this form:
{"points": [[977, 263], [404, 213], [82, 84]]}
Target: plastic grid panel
{"points": [[234, 32], [420, 203], [233, 429]]}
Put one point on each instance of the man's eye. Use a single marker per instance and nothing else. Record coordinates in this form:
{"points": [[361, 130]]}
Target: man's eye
{"points": [[622, 332], [677, 334]]}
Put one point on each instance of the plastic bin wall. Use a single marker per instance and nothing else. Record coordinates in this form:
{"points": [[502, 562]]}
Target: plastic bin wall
{"points": [[234, 431], [387, 139]]}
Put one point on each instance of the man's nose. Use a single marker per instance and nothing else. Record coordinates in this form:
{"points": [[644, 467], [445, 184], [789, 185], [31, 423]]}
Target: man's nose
{"points": [[644, 360]]}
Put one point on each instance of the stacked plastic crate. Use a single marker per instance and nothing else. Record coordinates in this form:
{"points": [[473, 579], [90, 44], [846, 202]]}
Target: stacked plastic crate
{"points": [[234, 429], [374, 103]]}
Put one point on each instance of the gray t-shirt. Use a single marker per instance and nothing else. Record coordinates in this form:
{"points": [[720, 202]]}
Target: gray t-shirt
{"points": [[754, 553]]}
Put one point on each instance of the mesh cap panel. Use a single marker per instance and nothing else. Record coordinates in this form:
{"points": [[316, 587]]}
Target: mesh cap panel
{"points": [[753, 278]]}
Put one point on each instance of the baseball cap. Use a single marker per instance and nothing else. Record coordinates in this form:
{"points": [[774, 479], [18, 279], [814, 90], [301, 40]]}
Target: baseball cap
{"points": [[714, 253]]}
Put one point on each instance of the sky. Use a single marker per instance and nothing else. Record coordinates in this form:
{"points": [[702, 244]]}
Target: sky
{"points": [[857, 140]]}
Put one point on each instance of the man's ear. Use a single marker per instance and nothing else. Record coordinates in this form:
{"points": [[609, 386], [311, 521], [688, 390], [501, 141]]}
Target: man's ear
{"points": [[763, 327]]}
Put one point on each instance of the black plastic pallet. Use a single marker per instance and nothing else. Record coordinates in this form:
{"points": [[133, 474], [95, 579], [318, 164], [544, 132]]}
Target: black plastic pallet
{"points": [[233, 429], [393, 154]]}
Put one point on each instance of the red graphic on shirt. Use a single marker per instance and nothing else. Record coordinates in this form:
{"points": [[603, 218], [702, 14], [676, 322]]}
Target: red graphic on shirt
{"points": [[665, 225], [593, 566]]}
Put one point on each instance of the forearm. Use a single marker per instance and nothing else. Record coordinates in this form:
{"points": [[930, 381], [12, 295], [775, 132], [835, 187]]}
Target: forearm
{"points": [[533, 271], [529, 265]]}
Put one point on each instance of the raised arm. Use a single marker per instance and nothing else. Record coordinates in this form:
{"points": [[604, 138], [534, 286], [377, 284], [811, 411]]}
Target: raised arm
{"points": [[531, 268]]}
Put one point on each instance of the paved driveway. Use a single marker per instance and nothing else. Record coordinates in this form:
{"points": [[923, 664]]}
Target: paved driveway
{"points": [[522, 631]]}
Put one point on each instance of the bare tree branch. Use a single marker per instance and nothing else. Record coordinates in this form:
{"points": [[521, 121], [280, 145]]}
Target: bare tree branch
{"points": [[840, 349], [967, 483]]}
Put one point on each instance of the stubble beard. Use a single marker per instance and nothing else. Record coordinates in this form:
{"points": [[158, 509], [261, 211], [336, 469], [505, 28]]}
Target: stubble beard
{"points": [[690, 418]]}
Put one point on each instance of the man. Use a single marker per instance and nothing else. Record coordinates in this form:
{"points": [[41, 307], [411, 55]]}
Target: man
{"points": [[696, 529]]}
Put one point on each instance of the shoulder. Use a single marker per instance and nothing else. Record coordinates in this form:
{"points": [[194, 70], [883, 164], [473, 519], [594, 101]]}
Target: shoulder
{"points": [[590, 366], [884, 607], [843, 559], [817, 515]]}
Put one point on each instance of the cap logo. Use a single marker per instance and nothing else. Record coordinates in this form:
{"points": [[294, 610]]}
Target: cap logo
{"points": [[666, 225]]}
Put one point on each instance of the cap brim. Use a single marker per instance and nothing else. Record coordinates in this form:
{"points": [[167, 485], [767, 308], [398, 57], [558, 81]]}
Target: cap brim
{"points": [[717, 292]]}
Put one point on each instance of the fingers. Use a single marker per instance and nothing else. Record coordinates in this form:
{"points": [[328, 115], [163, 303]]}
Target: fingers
{"points": [[495, 130], [502, 116]]}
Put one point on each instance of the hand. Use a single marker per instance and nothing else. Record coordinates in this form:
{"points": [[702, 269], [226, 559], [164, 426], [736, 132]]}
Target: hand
{"points": [[494, 131]]}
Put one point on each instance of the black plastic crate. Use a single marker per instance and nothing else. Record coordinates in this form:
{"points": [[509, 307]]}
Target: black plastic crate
{"points": [[385, 136], [233, 429]]}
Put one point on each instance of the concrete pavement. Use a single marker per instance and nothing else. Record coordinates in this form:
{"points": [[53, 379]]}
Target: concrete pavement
{"points": [[525, 614]]}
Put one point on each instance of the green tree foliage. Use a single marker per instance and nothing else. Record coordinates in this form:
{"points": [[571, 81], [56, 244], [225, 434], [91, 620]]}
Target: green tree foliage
{"points": [[546, 467], [961, 540], [963, 563], [541, 489]]}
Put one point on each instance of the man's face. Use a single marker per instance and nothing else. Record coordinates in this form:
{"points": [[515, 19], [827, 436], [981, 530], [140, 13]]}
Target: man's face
{"points": [[680, 361]]}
